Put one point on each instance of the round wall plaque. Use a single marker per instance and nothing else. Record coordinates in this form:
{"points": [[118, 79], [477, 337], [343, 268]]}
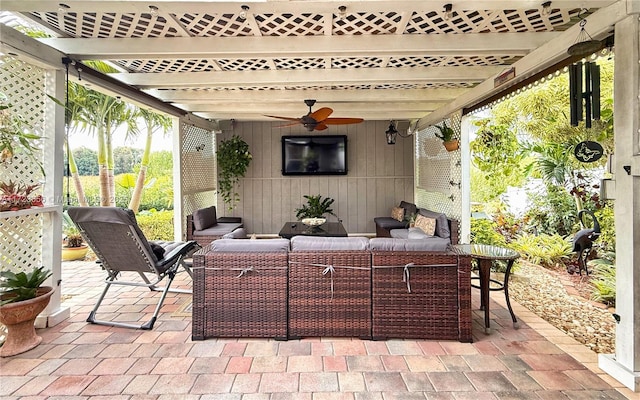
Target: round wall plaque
{"points": [[588, 151]]}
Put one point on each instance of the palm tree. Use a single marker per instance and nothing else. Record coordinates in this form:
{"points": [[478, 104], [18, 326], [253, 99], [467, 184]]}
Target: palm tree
{"points": [[153, 123]]}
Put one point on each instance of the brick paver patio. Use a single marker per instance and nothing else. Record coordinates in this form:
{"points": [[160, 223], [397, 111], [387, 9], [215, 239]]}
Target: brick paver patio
{"points": [[82, 361]]}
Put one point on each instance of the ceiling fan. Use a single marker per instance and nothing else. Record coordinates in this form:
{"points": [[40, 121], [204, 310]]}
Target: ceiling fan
{"points": [[317, 120]]}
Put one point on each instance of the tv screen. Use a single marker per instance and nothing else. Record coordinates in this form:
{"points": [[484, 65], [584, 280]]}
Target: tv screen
{"points": [[314, 155]]}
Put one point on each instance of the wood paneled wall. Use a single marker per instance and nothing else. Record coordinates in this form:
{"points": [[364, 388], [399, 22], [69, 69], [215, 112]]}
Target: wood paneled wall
{"points": [[379, 177]]}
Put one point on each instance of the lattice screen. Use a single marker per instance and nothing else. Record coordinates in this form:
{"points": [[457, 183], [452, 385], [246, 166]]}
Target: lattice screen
{"points": [[198, 168], [438, 172], [21, 235]]}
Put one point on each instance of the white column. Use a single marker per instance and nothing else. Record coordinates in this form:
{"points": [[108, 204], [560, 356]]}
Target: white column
{"points": [[52, 221], [624, 365], [465, 220]]}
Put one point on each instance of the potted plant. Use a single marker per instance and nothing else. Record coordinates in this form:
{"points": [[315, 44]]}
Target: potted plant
{"points": [[446, 134], [22, 298], [233, 160], [73, 246], [313, 212]]}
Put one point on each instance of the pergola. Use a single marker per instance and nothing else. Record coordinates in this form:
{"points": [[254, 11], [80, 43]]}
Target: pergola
{"points": [[213, 63]]}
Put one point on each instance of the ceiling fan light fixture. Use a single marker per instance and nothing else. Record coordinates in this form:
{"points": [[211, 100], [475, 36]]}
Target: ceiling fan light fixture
{"points": [[63, 8], [546, 8], [391, 133], [448, 11], [153, 10], [243, 13]]}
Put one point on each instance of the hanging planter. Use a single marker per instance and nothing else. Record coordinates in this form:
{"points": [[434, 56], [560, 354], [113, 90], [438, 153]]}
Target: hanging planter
{"points": [[233, 160], [446, 134]]}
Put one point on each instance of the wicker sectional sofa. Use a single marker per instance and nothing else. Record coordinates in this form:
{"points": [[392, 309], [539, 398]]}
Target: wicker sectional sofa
{"points": [[379, 288]]}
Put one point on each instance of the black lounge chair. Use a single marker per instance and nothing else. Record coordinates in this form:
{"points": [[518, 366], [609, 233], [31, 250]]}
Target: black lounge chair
{"points": [[120, 245]]}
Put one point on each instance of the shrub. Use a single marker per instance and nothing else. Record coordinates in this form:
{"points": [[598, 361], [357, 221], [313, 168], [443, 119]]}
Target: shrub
{"points": [[545, 250], [552, 212], [156, 225], [485, 231], [603, 279], [607, 239]]}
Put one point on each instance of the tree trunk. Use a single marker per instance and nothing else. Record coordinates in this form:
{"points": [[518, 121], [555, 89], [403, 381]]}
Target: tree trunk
{"points": [[134, 204], [73, 169]]}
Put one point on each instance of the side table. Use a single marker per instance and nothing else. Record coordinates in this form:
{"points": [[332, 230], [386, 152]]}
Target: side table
{"points": [[486, 254]]}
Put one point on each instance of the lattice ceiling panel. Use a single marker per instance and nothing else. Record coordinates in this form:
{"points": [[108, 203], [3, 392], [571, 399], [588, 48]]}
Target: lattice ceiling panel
{"points": [[244, 64], [360, 62], [215, 25], [290, 24], [168, 65], [109, 25], [299, 63], [378, 23]]}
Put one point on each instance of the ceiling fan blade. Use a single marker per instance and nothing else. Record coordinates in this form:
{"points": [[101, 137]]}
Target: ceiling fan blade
{"points": [[342, 121], [321, 114], [285, 118], [286, 125], [320, 126]]}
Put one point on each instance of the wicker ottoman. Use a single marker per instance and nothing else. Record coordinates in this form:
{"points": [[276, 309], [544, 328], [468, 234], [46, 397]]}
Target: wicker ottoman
{"points": [[239, 294], [330, 294], [421, 295]]}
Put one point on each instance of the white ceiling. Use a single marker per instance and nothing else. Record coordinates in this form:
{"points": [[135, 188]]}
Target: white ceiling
{"points": [[380, 60]]}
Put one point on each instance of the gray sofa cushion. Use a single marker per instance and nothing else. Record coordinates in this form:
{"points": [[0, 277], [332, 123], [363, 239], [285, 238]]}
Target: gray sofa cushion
{"points": [[411, 233], [238, 233], [390, 244], [442, 224], [250, 246], [303, 243], [219, 229], [204, 218]]}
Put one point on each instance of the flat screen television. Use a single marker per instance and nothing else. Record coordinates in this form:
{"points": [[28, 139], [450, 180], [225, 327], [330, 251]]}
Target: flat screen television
{"points": [[314, 155]]}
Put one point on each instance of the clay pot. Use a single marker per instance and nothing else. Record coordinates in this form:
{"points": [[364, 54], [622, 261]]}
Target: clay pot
{"points": [[452, 145], [19, 319]]}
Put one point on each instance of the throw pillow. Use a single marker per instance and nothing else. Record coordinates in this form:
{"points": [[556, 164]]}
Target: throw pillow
{"points": [[397, 213], [442, 224], [427, 225], [204, 218]]}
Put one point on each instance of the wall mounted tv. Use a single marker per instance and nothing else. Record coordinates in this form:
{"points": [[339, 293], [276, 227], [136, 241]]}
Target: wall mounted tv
{"points": [[314, 155]]}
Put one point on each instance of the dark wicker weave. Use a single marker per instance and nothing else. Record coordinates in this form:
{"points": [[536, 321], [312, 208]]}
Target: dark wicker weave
{"points": [[239, 294], [316, 310], [434, 303]]}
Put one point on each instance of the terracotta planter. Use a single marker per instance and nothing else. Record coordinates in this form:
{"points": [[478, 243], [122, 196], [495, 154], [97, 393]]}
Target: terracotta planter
{"points": [[74, 253], [19, 319], [452, 145]]}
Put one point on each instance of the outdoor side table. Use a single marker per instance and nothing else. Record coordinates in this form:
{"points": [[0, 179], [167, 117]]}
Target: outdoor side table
{"points": [[486, 255]]}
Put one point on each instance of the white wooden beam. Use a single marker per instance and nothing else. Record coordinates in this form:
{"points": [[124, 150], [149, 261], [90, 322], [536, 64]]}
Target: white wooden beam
{"points": [[309, 77], [477, 44], [285, 96]]}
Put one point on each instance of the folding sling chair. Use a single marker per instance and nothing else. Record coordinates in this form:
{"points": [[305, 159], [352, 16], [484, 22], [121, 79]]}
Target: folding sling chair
{"points": [[115, 237]]}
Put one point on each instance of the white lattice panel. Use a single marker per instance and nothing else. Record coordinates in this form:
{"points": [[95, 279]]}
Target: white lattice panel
{"points": [[438, 172], [169, 65], [290, 24], [198, 169], [20, 241], [215, 25], [23, 85], [109, 25], [367, 23], [244, 64]]}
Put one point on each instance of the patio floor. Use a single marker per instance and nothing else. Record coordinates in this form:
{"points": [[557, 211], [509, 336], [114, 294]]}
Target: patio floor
{"points": [[83, 361]]}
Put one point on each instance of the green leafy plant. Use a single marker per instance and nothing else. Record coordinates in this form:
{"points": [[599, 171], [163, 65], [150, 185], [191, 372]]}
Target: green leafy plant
{"points": [[446, 133], [603, 279], [233, 160], [21, 286], [545, 250], [316, 207], [72, 236]]}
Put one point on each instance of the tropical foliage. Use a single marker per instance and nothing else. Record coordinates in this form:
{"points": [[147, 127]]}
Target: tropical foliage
{"points": [[21, 286], [233, 160]]}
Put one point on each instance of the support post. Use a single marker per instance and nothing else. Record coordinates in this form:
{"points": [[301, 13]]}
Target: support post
{"points": [[624, 365]]}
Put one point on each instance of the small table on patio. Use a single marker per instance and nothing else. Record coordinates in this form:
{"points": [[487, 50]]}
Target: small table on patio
{"points": [[328, 229], [486, 254]]}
